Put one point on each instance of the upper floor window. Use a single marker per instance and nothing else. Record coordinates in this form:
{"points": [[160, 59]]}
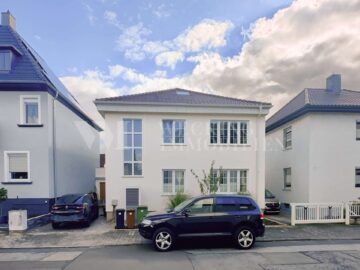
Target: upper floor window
{"points": [[30, 110], [17, 166], [357, 177], [5, 61], [173, 131], [287, 178], [287, 138], [228, 132], [132, 147], [358, 130]]}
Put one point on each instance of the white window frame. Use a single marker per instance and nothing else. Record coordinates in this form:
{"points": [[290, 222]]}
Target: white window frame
{"points": [[173, 136], [172, 180], [6, 167], [218, 125], [285, 140], [133, 147], [228, 184], [23, 111], [285, 187]]}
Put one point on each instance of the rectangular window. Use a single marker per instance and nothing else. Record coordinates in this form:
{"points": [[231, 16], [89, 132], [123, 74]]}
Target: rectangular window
{"points": [[357, 177], [30, 110], [173, 181], [243, 181], [287, 178], [17, 166], [358, 130], [228, 132], [5, 61], [223, 183], [231, 181], [173, 131], [132, 146], [287, 138]]}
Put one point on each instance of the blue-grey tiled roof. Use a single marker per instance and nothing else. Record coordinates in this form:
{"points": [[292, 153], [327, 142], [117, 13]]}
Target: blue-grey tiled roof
{"points": [[315, 100], [30, 72], [179, 96]]}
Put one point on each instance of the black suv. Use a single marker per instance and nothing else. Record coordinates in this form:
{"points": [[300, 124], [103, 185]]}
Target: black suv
{"points": [[212, 215]]}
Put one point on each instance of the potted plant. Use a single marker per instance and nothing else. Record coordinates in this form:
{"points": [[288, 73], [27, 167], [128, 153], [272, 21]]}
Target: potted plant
{"points": [[3, 197]]}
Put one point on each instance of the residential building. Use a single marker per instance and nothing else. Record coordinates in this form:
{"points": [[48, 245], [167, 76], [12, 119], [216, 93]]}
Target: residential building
{"points": [[313, 146], [48, 146], [155, 140]]}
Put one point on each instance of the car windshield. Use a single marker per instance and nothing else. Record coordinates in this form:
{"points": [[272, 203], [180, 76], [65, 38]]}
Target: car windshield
{"points": [[74, 198], [269, 195], [182, 205]]}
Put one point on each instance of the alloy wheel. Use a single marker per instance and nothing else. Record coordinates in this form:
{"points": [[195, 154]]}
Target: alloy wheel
{"points": [[245, 238], [163, 240]]}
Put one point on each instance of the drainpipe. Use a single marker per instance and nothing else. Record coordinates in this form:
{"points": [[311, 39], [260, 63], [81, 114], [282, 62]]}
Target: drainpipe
{"points": [[54, 144], [259, 193]]}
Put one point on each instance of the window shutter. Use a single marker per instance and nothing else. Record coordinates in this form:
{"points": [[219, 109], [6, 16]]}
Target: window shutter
{"points": [[132, 197], [18, 162]]}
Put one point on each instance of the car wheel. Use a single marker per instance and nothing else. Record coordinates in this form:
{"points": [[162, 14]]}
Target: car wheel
{"points": [[163, 239], [86, 223], [55, 225], [245, 238]]}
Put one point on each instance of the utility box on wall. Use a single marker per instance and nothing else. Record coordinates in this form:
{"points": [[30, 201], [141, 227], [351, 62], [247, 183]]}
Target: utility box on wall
{"points": [[18, 220]]}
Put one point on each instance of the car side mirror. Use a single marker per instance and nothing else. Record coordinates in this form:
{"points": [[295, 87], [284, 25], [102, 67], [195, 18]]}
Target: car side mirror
{"points": [[186, 212]]}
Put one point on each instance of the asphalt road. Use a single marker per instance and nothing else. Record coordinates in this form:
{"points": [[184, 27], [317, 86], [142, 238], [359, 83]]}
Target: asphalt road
{"points": [[191, 254]]}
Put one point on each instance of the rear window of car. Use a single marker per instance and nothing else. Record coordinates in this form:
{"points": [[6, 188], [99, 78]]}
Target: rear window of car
{"points": [[229, 204], [75, 198]]}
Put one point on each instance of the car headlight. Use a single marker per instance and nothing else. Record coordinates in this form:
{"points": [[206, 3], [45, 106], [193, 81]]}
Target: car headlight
{"points": [[146, 222]]}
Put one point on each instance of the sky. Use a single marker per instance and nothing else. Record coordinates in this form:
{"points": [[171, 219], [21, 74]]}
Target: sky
{"points": [[265, 50]]}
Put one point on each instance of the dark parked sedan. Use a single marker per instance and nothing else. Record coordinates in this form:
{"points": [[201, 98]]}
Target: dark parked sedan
{"points": [[205, 216], [272, 204], [75, 208]]}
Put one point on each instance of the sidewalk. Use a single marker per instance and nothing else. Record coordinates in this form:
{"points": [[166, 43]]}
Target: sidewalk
{"points": [[103, 234]]}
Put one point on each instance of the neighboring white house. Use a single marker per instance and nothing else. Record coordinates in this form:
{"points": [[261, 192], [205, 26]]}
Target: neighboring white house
{"points": [[313, 146], [48, 146], [153, 141]]}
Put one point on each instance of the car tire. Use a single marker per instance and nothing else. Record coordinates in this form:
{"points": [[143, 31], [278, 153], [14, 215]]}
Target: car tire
{"points": [[244, 238], [163, 239], [55, 225]]}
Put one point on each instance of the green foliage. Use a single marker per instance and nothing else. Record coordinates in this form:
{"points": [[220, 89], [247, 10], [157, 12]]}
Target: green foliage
{"points": [[176, 200], [210, 181], [3, 194]]}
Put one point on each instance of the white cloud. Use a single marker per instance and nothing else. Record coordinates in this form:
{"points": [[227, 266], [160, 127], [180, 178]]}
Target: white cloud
{"points": [[160, 12], [89, 13], [111, 18], [169, 59]]}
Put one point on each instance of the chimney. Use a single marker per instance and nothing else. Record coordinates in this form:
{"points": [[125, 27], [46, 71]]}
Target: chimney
{"points": [[333, 84], [8, 20]]}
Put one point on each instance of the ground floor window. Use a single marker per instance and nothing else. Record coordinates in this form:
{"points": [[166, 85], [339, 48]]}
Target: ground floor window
{"points": [[287, 178], [17, 166], [357, 177], [173, 181], [232, 181]]}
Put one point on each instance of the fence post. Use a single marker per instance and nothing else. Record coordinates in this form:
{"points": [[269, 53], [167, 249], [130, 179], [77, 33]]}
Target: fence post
{"points": [[293, 214], [347, 213]]}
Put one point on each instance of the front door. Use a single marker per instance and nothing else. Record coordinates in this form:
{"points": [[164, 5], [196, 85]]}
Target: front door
{"points": [[102, 192], [199, 218]]}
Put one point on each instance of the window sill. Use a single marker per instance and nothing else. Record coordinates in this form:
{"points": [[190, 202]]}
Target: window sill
{"points": [[232, 145], [132, 176], [287, 189], [30, 125], [173, 144], [16, 182], [288, 148]]}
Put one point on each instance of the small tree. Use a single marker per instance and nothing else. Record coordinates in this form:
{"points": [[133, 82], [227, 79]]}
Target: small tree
{"points": [[3, 197], [210, 181]]}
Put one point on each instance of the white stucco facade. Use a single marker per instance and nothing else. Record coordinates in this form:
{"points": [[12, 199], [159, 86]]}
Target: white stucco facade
{"points": [[196, 153], [323, 158]]}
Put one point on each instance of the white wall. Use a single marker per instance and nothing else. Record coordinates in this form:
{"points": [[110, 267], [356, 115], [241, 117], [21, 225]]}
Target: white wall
{"points": [[197, 154], [334, 153], [296, 158]]}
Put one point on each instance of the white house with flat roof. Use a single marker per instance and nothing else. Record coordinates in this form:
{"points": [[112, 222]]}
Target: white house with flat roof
{"points": [[153, 141], [313, 146]]}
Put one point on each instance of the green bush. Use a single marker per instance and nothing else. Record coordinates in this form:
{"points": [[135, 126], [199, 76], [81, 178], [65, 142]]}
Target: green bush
{"points": [[3, 194], [176, 200]]}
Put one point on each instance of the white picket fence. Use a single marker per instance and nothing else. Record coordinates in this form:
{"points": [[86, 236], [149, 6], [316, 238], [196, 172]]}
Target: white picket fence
{"points": [[309, 213]]}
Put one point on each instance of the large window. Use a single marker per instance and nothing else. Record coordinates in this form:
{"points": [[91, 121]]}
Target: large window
{"points": [[132, 147], [287, 178], [173, 181], [30, 110], [358, 130], [231, 181], [228, 132], [173, 131], [5, 61], [287, 138], [17, 166], [357, 177]]}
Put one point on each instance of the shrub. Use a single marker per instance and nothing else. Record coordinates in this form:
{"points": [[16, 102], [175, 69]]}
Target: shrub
{"points": [[3, 194], [176, 200]]}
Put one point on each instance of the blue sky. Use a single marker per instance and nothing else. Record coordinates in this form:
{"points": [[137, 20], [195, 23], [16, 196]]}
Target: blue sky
{"points": [[74, 36]]}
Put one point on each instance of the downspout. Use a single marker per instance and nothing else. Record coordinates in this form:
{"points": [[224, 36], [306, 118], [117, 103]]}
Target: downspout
{"points": [[54, 144], [258, 144]]}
